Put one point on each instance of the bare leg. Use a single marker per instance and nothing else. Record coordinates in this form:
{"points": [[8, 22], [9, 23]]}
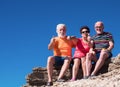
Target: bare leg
{"points": [[50, 63], [83, 61], [75, 68], [89, 58], [100, 62], [64, 67]]}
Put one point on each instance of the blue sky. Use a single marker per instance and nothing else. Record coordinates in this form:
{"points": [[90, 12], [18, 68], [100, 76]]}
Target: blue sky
{"points": [[26, 27]]}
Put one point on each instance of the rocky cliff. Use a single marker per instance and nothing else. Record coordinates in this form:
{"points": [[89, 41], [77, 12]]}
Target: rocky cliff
{"points": [[109, 76]]}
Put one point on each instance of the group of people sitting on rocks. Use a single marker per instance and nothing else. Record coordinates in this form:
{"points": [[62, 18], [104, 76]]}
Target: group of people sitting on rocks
{"points": [[87, 50]]}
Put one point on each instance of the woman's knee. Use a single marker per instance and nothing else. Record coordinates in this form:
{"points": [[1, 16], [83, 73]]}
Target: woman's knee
{"points": [[77, 61], [89, 56]]}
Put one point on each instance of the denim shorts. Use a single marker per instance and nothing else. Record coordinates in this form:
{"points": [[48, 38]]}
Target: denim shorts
{"points": [[98, 55], [59, 60]]}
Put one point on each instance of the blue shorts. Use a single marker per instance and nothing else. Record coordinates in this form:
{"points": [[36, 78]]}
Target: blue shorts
{"points": [[98, 55], [59, 60]]}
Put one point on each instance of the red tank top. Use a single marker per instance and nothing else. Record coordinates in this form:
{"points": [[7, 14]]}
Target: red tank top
{"points": [[81, 48]]}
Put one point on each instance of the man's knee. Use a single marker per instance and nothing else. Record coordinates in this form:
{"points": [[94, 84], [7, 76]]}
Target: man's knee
{"points": [[67, 61], [50, 59], [104, 55]]}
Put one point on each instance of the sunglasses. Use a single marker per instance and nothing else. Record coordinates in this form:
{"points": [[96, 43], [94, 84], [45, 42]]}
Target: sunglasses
{"points": [[85, 32]]}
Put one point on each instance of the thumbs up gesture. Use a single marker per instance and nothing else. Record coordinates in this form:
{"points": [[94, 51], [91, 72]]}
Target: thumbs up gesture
{"points": [[52, 40], [89, 38]]}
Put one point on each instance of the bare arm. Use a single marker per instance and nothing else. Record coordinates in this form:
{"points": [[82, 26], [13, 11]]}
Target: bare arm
{"points": [[90, 41], [73, 39], [91, 47], [91, 44], [111, 46], [51, 44]]}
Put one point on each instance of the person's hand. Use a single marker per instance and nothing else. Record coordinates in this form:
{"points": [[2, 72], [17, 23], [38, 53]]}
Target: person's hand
{"points": [[71, 37], [52, 40], [104, 50], [68, 37], [51, 44], [92, 51], [89, 38]]}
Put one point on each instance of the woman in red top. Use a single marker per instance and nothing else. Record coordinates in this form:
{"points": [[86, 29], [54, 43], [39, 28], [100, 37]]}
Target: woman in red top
{"points": [[83, 46]]}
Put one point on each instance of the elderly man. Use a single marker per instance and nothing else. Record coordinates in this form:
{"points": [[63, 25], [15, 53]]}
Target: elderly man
{"points": [[62, 48], [103, 44]]}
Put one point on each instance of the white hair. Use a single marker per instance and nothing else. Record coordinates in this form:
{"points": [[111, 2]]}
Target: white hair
{"points": [[100, 22], [59, 25]]}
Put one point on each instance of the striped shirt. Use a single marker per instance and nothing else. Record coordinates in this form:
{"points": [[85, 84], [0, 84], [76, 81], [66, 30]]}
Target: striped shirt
{"points": [[102, 41]]}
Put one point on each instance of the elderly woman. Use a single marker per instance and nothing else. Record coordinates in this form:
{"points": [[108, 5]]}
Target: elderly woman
{"points": [[82, 48]]}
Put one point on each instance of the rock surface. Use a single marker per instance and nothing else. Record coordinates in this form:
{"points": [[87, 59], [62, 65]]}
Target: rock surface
{"points": [[109, 76]]}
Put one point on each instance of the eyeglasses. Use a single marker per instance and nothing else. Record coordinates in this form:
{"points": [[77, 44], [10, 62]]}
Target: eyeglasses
{"points": [[85, 32]]}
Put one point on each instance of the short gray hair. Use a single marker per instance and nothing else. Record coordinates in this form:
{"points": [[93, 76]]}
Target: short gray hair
{"points": [[60, 25]]}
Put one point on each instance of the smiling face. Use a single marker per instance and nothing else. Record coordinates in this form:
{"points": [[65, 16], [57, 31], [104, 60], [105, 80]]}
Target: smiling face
{"points": [[99, 27], [61, 30], [85, 32]]}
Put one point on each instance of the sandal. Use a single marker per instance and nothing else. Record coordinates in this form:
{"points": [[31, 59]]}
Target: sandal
{"points": [[92, 76], [72, 80], [49, 84], [86, 77], [60, 80]]}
